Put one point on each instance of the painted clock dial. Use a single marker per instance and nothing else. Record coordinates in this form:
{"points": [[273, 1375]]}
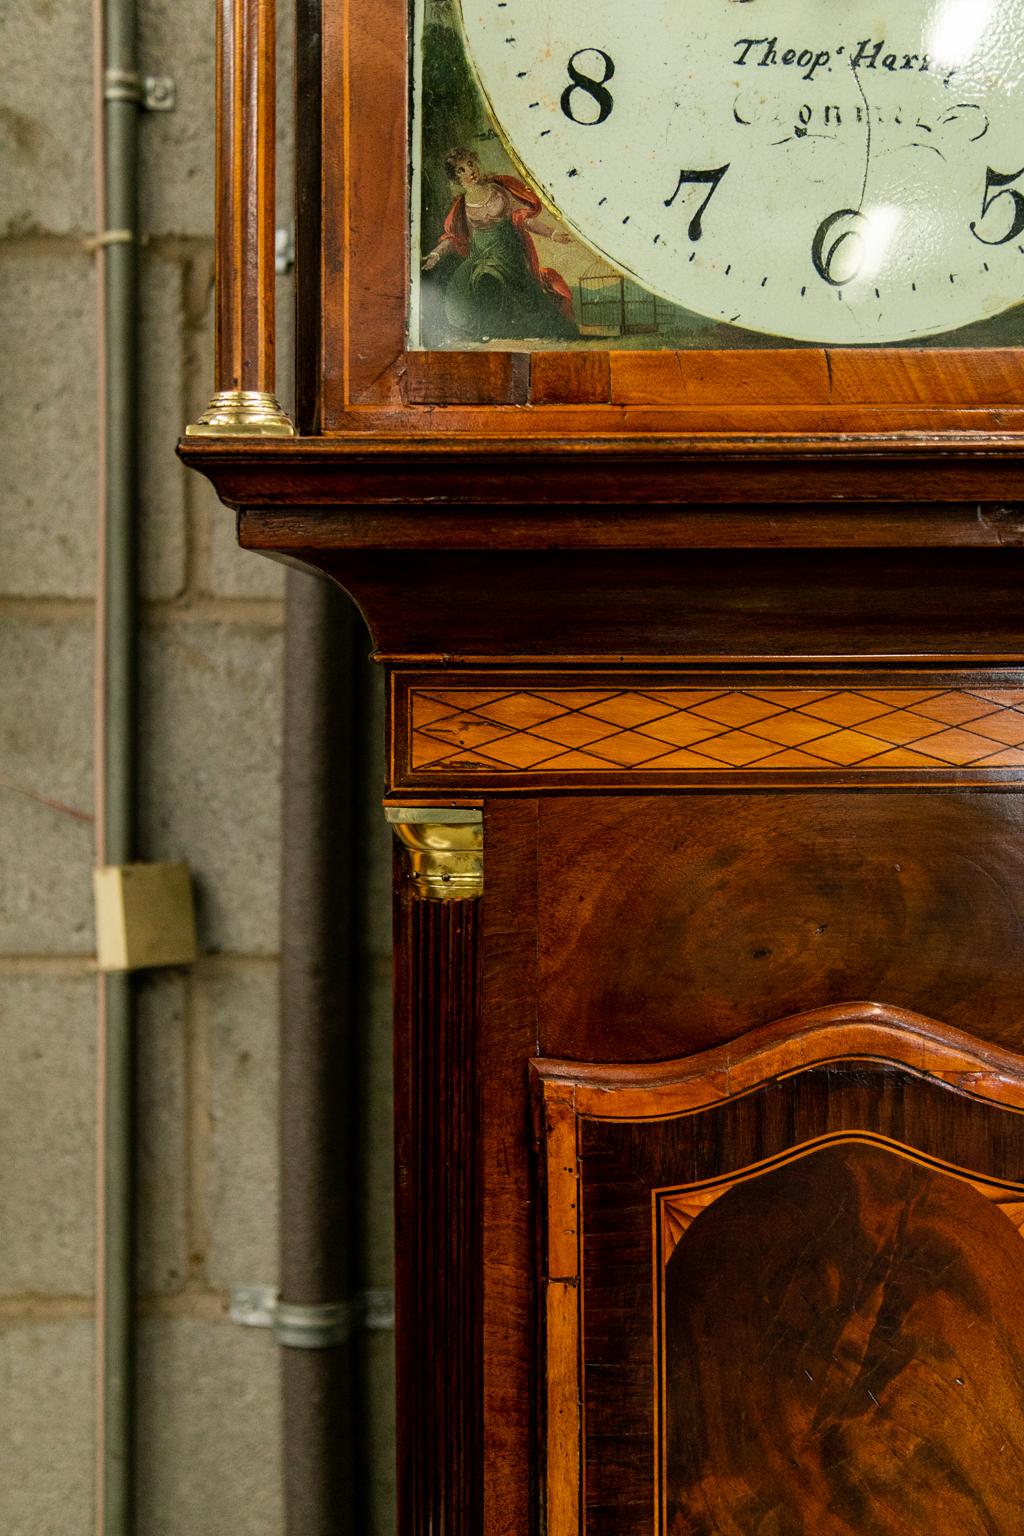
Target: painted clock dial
{"points": [[846, 173]]}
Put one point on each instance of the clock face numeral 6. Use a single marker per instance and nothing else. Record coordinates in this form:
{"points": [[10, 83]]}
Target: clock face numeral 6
{"points": [[838, 249], [854, 177]]}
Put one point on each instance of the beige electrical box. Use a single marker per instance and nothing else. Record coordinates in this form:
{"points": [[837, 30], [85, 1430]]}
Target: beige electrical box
{"points": [[144, 916]]}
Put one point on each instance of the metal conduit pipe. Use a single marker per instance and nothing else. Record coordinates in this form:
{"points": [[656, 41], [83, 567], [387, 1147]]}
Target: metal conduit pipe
{"points": [[118, 100], [314, 1316]]}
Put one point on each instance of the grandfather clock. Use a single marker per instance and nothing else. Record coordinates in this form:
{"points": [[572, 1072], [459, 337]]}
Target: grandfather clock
{"points": [[661, 405]]}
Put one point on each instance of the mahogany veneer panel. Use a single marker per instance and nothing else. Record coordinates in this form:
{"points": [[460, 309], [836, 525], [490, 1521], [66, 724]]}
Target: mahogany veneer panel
{"points": [[923, 1320], [583, 377], [851, 1271], [687, 603], [784, 1284], [669, 924], [468, 378], [509, 1290], [799, 377], [912, 377]]}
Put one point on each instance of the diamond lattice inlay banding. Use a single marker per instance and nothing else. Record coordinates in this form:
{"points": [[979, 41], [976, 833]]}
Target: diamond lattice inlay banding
{"points": [[669, 729]]}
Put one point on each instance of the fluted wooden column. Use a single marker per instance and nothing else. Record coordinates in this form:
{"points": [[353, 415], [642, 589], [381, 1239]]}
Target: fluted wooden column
{"points": [[244, 404], [438, 1189]]}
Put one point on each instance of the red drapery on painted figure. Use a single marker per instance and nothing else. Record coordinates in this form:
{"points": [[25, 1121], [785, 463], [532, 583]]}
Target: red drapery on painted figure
{"points": [[527, 206]]}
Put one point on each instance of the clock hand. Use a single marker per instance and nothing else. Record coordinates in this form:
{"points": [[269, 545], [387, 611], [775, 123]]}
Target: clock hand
{"points": [[867, 150]]}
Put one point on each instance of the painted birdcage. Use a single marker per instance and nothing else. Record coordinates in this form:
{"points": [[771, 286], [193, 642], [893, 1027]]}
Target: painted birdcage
{"points": [[613, 305]]}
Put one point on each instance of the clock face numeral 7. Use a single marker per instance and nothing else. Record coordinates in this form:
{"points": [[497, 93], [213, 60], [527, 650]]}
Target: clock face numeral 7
{"points": [[998, 179], [838, 253], [595, 90], [710, 179]]}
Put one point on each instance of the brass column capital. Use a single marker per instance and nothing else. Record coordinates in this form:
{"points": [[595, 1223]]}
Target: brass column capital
{"points": [[444, 850]]}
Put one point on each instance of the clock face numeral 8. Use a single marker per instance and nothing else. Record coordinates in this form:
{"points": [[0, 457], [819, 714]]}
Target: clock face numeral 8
{"points": [[830, 174], [601, 103]]}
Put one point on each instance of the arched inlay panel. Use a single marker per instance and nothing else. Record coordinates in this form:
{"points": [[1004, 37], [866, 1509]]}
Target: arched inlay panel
{"points": [[785, 1286], [877, 1307]]}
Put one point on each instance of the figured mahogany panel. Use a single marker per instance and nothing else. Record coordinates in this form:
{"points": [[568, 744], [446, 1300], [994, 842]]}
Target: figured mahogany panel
{"points": [[784, 1285], [913, 377], [558, 377], [787, 377], [365, 198], [529, 727], [438, 1214], [668, 924], [438, 378], [884, 1325]]}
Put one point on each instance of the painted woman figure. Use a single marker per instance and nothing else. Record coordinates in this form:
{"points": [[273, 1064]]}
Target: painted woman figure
{"points": [[499, 288]]}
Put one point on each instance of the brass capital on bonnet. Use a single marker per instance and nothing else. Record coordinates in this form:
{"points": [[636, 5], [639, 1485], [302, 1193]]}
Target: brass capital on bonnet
{"points": [[444, 850], [242, 413]]}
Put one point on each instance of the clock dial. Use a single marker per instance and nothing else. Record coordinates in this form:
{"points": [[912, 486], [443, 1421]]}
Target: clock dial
{"points": [[843, 174]]}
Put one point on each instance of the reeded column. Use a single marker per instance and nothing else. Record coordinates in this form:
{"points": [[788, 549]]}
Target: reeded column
{"points": [[439, 883], [244, 404]]}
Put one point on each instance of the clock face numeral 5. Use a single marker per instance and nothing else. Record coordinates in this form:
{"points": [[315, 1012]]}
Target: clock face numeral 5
{"points": [[997, 179]]}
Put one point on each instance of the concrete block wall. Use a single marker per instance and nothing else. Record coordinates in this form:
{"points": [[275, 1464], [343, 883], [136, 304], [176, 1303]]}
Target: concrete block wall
{"points": [[208, 1416]]}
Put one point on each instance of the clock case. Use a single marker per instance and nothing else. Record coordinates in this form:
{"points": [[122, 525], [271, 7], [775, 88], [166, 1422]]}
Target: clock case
{"points": [[555, 533]]}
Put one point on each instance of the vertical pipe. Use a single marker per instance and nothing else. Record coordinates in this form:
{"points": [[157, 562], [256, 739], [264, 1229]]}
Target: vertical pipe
{"points": [[244, 403], [315, 1080], [117, 218]]}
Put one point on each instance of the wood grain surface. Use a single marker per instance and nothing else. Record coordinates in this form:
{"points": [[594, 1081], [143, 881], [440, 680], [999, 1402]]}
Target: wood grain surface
{"points": [[706, 731], [639, 455], [831, 1340], [438, 1213], [511, 1294], [877, 1306], [670, 924], [245, 195], [680, 605]]}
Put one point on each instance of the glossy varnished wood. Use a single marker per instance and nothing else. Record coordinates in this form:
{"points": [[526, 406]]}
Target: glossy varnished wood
{"points": [[708, 730], [244, 329], [838, 1200], [438, 1212], [509, 1038], [738, 909], [581, 606], [892, 1388], [638, 456], [309, 233]]}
